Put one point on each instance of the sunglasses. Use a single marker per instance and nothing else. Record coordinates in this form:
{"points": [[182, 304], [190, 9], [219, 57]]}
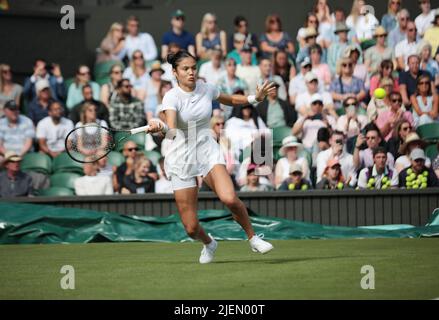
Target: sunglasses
{"points": [[219, 123], [411, 30], [312, 21], [117, 72], [127, 86], [406, 128], [396, 2], [6, 71], [381, 36], [132, 149], [423, 83], [347, 65], [371, 138], [137, 57], [399, 101], [179, 18]]}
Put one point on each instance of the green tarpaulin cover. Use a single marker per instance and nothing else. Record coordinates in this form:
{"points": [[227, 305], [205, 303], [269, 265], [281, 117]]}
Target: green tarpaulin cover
{"points": [[29, 223]]}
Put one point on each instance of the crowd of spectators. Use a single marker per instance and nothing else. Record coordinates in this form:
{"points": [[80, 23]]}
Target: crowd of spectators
{"points": [[342, 132]]}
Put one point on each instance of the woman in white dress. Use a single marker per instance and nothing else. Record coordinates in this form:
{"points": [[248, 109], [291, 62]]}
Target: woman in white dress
{"points": [[186, 113]]}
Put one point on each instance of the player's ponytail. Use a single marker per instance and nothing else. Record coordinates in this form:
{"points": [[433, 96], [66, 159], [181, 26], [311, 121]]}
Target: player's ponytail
{"points": [[175, 58]]}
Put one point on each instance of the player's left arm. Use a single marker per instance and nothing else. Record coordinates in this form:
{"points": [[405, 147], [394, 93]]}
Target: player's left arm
{"points": [[239, 100]]}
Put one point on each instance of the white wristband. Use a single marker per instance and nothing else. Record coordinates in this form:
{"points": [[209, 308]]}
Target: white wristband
{"points": [[252, 100]]}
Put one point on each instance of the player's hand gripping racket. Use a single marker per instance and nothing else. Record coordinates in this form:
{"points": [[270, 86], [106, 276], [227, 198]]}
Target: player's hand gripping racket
{"points": [[92, 142]]}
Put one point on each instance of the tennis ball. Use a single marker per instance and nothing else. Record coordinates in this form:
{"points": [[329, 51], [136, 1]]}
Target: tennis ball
{"points": [[384, 187], [425, 173], [291, 186], [409, 171], [409, 183], [379, 93], [424, 179], [384, 180], [340, 185], [415, 186], [304, 187], [372, 181], [413, 176], [424, 185]]}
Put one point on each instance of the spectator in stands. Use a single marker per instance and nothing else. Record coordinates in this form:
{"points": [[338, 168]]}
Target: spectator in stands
{"points": [[290, 153], [363, 154], [337, 150], [266, 67], [83, 77], [50, 73], [13, 181], [88, 115], [378, 105], [210, 37], [16, 130], [108, 90], [407, 47], [411, 142], [295, 181], [8, 89], [253, 181], [337, 47], [275, 39], [52, 130], [435, 165], [310, 35], [105, 169], [239, 42], [282, 67], [400, 132], [379, 175], [424, 19], [389, 20], [241, 27], [165, 86], [276, 112], [428, 63], [321, 10], [212, 70], [418, 175], [332, 178], [303, 100], [408, 79], [37, 109], [346, 85], [167, 67], [126, 111], [136, 40], [112, 47], [152, 90], [362, 21], [352, 122], [388, 119], [163, 185], [425, 104], [308, 124], [360, 70], [321, 144], [184, 39], [100, 109], [399, 33], [298, 84], [137, 74], [248, 72], [139, 181], [320, 69], [385, 71], [310, 28], [379, 52], [340, 17], [92, 184], [432, 33]]}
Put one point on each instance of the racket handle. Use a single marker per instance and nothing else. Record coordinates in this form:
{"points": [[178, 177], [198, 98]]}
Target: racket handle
{"points": [[139, 129]]}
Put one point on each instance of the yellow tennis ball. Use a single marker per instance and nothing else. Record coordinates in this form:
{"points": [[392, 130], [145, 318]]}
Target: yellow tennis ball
{"points": [[379, 93]]}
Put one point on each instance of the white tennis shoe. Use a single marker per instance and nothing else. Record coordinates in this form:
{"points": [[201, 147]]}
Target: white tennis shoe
{"points": [[259, 245], [208, 251]]}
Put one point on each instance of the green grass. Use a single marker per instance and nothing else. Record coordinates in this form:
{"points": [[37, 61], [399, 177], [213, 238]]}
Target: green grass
{"points": [[296, 269]]}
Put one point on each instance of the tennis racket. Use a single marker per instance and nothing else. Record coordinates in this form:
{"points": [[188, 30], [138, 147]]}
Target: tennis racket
{"points": [[92, 142]]}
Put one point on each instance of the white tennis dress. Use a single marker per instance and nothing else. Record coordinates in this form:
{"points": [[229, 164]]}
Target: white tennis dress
{"points": [[194, 151]]}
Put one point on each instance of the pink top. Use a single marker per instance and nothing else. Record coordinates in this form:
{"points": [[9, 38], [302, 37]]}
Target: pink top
{"points": [[386, 116], [375, 82], [323, 73]]}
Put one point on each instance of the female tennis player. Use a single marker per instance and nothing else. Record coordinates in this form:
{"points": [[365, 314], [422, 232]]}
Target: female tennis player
{"points": [[186, 113]]}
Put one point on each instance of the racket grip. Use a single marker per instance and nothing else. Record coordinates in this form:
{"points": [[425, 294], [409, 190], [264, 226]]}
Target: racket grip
{"points": [[139, 129]]}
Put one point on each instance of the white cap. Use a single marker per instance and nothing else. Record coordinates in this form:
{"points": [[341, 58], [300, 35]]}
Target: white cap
{"points": [[417, 154], [41, 84], [316, 97], [305, 62], [310, 76]]}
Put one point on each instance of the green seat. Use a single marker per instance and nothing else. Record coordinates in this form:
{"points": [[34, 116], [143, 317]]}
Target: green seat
{"points": [[340, 112], [154, 156], [64, 180], [138, 138], [279, 134], [115, 158], [101, 70], [38, 162], [68, 82], [429, 131], [431, 151], [63, 163], [56, 191]]}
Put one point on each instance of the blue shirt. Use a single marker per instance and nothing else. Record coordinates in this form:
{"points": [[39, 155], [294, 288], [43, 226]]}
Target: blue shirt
{"points": [[14, 137], [354, 87], [184, 40]]}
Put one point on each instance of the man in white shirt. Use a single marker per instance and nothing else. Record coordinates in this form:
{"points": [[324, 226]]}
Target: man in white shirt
{"points": [[303, 100], [212, 70], [423, 21], [407, 47], [266, 67], [378, 176], [338, 150], [246, 71], [139, 41], [92, 184], [52, 130]]}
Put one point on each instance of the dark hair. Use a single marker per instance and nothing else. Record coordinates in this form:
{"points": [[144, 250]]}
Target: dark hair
{"points": [[379, 150], [338, 133], [52, 103], [372, 127], [323, 134], [86, 86], [424, 76], [238, 20], [175, 58], [309, 15], [316, 47], [120, 82], [39, 59]]}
